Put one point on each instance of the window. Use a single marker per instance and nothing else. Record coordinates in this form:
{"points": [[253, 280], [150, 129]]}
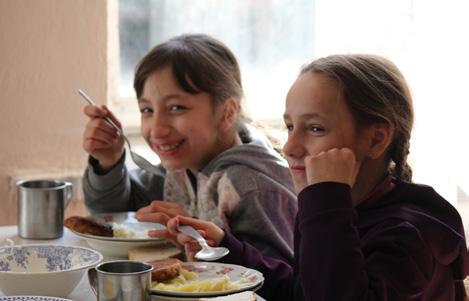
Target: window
{"points": [[273, 38]]}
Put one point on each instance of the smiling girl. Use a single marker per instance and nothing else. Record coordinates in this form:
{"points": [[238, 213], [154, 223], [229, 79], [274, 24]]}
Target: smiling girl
{"points": [[363, 230], [214, 165]]}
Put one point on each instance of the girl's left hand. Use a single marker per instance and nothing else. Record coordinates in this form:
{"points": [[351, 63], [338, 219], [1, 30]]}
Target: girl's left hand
{"points": [[334, 165], [159, 212]]}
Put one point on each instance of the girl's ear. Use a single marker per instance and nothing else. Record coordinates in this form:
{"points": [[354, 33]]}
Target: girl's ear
{"points": [[381, 138], [230, 113]]}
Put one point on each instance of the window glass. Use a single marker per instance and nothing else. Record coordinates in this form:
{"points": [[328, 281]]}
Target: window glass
{"points": [[268, 38]]}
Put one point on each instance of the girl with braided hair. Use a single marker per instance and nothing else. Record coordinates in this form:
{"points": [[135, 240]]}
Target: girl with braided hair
{"points": [[363, 230]]}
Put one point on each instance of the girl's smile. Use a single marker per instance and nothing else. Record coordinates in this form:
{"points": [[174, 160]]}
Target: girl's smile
{"points": [[167, 148]]}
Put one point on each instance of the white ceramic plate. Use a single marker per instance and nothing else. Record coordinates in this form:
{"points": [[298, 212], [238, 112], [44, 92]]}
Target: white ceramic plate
{"points": [[212, 270], [32, 298], [119, 246]]}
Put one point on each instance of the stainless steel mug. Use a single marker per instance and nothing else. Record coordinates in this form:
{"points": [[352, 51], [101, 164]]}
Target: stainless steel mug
{"points": [[121, 280], [41, 206]]}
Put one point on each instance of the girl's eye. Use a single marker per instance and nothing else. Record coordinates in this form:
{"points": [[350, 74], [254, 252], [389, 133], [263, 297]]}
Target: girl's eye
{"points": [[289, 127], [176, 108], [145, 110], [316, 129]]}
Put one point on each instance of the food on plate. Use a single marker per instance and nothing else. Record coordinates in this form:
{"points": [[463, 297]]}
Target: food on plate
{"points": [[169, 275], [123, 231], [186, 285], [147, 254], [87, 225], [90, 225], [243, 296], [166, 269]]}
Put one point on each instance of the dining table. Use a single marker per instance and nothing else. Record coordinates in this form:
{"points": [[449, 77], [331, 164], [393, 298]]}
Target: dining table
{"points": [[82, 291]]}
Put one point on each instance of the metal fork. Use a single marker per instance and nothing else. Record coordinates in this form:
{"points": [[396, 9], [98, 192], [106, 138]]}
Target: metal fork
{"points": [[138, 160]]}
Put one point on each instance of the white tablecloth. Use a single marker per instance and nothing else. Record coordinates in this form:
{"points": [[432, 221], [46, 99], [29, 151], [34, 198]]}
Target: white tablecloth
{"points": [[83, 291]]}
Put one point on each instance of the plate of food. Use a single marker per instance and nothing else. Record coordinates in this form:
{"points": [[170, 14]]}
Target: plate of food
{"points": [[114, 234], [176, 280]]}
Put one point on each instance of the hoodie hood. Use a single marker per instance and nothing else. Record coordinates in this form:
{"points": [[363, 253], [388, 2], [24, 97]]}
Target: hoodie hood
{"points": [[438, 221], [257, 154]]}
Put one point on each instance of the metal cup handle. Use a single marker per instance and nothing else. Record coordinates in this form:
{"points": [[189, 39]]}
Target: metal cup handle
{"points": [[93, 280], [68, 193]]}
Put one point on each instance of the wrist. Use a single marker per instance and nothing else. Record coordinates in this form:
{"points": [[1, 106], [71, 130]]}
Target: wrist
{"points": [[102, 167], [219, 235]]}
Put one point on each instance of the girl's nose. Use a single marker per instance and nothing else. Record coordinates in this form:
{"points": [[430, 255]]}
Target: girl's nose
{"points": [[160, 126], [293, 147]]}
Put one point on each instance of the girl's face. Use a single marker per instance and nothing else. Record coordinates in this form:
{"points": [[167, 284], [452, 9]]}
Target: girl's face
{"points": [[317, 120], [182, 128]]}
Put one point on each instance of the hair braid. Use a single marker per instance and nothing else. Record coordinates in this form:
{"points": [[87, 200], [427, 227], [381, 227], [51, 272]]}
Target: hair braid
{"points": [[400, 168]]}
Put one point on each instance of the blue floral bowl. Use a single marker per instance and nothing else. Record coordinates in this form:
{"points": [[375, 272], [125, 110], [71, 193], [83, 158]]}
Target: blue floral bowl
{"points": [[47, 270]]}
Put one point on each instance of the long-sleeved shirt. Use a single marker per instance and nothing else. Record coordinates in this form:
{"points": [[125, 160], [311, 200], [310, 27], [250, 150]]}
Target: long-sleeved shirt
{"points": [[406, 244], [247, 190]]}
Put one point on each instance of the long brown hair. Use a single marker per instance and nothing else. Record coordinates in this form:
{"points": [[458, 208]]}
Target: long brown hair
{"points": [[375, 91], [199, 63]]}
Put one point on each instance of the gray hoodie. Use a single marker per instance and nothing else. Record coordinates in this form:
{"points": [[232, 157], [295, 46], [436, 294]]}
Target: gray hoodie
{"points": [[246, 190]]}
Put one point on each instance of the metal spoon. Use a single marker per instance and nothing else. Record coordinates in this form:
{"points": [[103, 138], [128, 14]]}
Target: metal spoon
{"points": [[207, 253], [139, 160]]}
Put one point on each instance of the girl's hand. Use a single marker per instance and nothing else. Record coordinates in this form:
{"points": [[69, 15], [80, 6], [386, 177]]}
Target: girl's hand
{"points": [[334, 165], [159, 212], [100, 139], [211, 232]]}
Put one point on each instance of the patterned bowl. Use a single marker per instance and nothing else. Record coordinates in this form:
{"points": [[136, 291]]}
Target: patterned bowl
{"points": [[47, 270]]}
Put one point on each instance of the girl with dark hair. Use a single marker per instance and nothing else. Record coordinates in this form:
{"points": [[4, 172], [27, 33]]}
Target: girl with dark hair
{"points": [[214, 165], [363, 230]]}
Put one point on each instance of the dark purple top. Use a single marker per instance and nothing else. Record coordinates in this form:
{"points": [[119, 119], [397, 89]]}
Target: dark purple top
{"points": [[404, 243]]}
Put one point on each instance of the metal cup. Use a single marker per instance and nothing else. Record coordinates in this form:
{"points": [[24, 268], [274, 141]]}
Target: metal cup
{"points": [[121, 280], [41, 206]]}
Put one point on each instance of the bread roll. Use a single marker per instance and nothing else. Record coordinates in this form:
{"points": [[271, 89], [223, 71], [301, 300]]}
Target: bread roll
{"points": [[147, 254]]}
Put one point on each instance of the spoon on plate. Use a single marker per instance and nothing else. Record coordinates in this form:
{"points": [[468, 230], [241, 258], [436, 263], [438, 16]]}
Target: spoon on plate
{"points": [[207, 253], [139, 160]]}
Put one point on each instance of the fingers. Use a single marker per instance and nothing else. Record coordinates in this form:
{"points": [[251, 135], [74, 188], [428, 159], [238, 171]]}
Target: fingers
{"points": [[164, 234], [197, 224], [211, 231], [153, 217], [98, 120], [99, 134], [169, 209], [101, 112], [191, 245], [165, 205], [335, 165], [177, 238], [191, 248], [112, 117]]}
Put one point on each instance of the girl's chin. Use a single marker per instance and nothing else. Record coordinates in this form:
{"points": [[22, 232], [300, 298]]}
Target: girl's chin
{"points": [[299, 186], [172, 166]]}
